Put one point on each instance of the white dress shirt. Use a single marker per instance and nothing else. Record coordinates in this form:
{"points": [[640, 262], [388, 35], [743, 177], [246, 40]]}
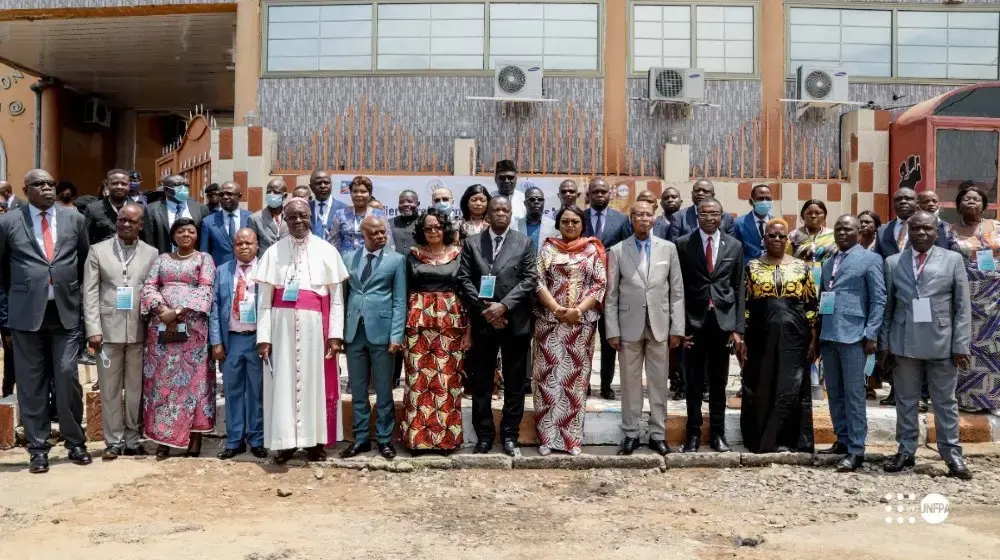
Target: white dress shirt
{"points": [[172, 214], [493, 243], [593, 219], [235, 325], [714, 239], [36, 224], [323, 209]]}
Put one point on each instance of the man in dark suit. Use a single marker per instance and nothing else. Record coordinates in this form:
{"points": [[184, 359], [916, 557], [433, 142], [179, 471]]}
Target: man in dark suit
{"points": [[101, 217], [160, 215], [323, 205], [670, 202], [402, 226], [748, 229], [686, 221], [13, 202], [611, 227], [497, 281], [42, 252], [712, 266], [219, 229]]}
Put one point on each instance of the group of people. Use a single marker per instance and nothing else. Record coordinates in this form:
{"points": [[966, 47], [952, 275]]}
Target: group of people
{"points": [[489, 295]]}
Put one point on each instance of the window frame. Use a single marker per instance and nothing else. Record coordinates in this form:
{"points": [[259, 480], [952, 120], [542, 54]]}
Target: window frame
{"points": [[894, 9], [693, 5], [487, 71]]}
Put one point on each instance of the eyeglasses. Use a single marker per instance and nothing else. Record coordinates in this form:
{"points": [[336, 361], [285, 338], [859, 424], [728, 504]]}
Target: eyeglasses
{"points": [[229, 195], [777, 236], [438, 200], [709, 214], [535, 199], [42, 183], [433, 228]]}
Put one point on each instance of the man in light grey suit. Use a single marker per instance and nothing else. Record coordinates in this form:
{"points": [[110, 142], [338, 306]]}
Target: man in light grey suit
{"points": [[42, 250], [373, 333], [644, 310], [927, 330], [268, 223], [114, 274]]}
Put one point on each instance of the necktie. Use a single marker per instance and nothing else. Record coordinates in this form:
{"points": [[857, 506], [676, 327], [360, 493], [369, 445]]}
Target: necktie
{"points": [[901, 238], [50, 246], [599, 229], [643, 260], [496, 246], [709, 261], [322, 211], [241, 291], [921, 257], [760, 228], [232, 225], [368, 267]]}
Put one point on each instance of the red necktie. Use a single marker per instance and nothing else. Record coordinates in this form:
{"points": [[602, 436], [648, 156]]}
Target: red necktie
{"points": [[709, 264], [241, 291], [50, 247]]}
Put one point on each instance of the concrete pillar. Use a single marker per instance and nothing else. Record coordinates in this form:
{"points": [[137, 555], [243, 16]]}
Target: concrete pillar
{"points": [[676, 162], [126, 148], [615, 86], [464, 156], [772, 79], [51, 145], [248, 38]]}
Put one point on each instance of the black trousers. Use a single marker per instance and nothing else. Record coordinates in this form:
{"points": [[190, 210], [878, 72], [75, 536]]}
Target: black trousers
{"points": [[708, 362], [608, 356], [481, 363], [678, 379], [61, 346], [8, 366]]}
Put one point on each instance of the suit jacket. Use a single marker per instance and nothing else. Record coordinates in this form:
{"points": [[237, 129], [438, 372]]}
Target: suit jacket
{"points": [[685, 221], [724, 285], [15, 202], [516, 279], [268, 232], [859, 305], [380, 300], [223, 292], [26, 272], [661, 228], [548, 229], [636, 295], [617, 227], [156, 224], [215, 238], [885, 241], [102, 276], [745, 231], [101, 221], [403, 233], [322, 229], [945, 283]]}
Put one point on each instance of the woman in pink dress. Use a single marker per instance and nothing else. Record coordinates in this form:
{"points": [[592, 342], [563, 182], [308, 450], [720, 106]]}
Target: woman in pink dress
{"points": [[177, 391]]}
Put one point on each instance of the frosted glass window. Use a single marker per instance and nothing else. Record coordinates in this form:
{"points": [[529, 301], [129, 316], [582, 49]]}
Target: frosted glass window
{"points": [[858, 40], [559, 36], [431, 36], [315, 37], [955, 45], [723, 39]]}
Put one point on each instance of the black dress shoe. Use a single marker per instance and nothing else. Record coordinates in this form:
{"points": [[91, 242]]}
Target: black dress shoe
{"points": [[387, 450], [258, 452], [39, 463], [835, 449], [783, 449], [850, 463], [510, 448], [720, 444], [608, 394], [317, 454], [899, 462], [628, 446], [889, 401], [229, 453], [660, 446], [284, 456], [78, 454], [356, 448], [958, 469], [137, 451], [111, 453], [483, 447], [923, 405], [692, 445], [162, 452], [680, 395]]}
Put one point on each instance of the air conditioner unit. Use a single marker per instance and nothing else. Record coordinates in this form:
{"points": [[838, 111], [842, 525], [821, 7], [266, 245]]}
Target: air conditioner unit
{"points": [[826, 85], [676, 84], [97, 113], [517, 80]]}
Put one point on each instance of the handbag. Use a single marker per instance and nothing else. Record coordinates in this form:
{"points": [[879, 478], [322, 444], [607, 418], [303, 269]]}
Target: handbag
{"points": [[163, 336]]}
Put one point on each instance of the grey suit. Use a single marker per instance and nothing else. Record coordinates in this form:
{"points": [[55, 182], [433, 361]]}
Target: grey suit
{"points": [[122, 331], [643, 306], [156, 223], [268, 231], [40, 325], [926, 348]]}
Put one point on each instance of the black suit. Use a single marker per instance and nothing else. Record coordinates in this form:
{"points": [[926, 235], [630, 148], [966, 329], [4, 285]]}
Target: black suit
{"points": [[683, 222], [714, 302], [156, 223], [101, 221], [516, 281], [885, 240]]}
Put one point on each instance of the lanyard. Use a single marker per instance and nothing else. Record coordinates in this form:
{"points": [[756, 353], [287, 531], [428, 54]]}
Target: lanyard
{"points": [[241, 274], [836, 266], [297, 258], [121, 257]]}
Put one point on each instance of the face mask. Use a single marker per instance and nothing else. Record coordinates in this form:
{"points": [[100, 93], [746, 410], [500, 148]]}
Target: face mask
{"points": [[443, 207], [133, 188], [274, 200], [762, 207], [181, 194]]}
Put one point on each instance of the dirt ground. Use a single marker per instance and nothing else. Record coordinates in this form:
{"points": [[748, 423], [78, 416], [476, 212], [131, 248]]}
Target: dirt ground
{"points": [[187, 509]]}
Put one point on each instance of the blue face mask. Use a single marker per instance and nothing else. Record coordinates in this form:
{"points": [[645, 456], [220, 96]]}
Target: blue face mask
{"points": [[181, 194], [762, 207], [274, 200], [443, 207]]}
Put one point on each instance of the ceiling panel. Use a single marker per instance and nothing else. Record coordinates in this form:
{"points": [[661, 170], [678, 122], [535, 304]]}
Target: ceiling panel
{"points": [[170, 62]]}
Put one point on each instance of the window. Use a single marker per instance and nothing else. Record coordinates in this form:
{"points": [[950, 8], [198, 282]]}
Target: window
{"points": [[312, 38], [561, 36], [966, 155], [957, 45], [858, 40], [430, 36], [723, 37]]}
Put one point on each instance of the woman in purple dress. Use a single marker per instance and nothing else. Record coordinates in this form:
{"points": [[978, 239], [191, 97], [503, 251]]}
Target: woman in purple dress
{"points": [[177, 391]]}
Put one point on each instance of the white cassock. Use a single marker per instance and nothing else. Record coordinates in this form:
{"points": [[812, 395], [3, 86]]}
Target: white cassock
{"points": [[301, 388]]}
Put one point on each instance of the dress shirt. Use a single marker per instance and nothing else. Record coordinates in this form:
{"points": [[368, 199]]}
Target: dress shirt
{"points": [[365, 252], [323, 209], [534, 232], [36, 219], [715, 239], [235, 325], [233, 217], [642, 245], [517, 209], [593, 220], [760, 223], [493, 241], [916, 262], [175, 209]]}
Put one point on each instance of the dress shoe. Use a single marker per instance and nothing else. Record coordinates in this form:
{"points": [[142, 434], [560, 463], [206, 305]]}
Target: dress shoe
{"points": [[628, 446], [850, 463], [899, 462], [958, 469], [162, 452], [78, 454], [137, 451], [923, 405], [720, 444], [111, 453], [39, 463], [284, 456], [783, 449], [483, 446], [835, 449], [87, 359], [888, 401], [510, 448], [680, 395], [258, 452], [692, 445], [608, 394], [356, 448], [660, 446], [229, 453], [704, 397], [387, 450], [317, 454]]}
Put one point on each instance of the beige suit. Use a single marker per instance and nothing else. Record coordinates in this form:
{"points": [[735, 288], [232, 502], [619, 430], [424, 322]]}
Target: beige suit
{"points": [[123, 333], [644, 305]]}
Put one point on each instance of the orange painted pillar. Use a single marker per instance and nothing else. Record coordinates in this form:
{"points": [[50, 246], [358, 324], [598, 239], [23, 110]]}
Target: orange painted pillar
{"points": [[615, 86], [772, 77], [248, 39], [51, 149]]}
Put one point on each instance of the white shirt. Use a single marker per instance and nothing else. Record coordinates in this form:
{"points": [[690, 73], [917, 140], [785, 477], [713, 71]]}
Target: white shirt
{"points": [[516, 198], [323, 209], [366, 252], [172, 212], [593, 219], [493, 241], [916, 262], [760, 223], [36, 224], [714, 239]]}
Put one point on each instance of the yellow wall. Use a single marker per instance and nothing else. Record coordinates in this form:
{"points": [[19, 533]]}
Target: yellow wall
{"points": [[17, 130]]}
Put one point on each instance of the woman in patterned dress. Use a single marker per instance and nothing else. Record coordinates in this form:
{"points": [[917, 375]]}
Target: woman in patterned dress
{"points": [[979, 388], [781, 342], [572, 277], [437, 336], [178, 393]]}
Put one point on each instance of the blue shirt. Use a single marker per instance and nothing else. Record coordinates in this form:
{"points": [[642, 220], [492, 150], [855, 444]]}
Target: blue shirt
{"points": [[642, 245], [533, 231], [345, 232]]}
